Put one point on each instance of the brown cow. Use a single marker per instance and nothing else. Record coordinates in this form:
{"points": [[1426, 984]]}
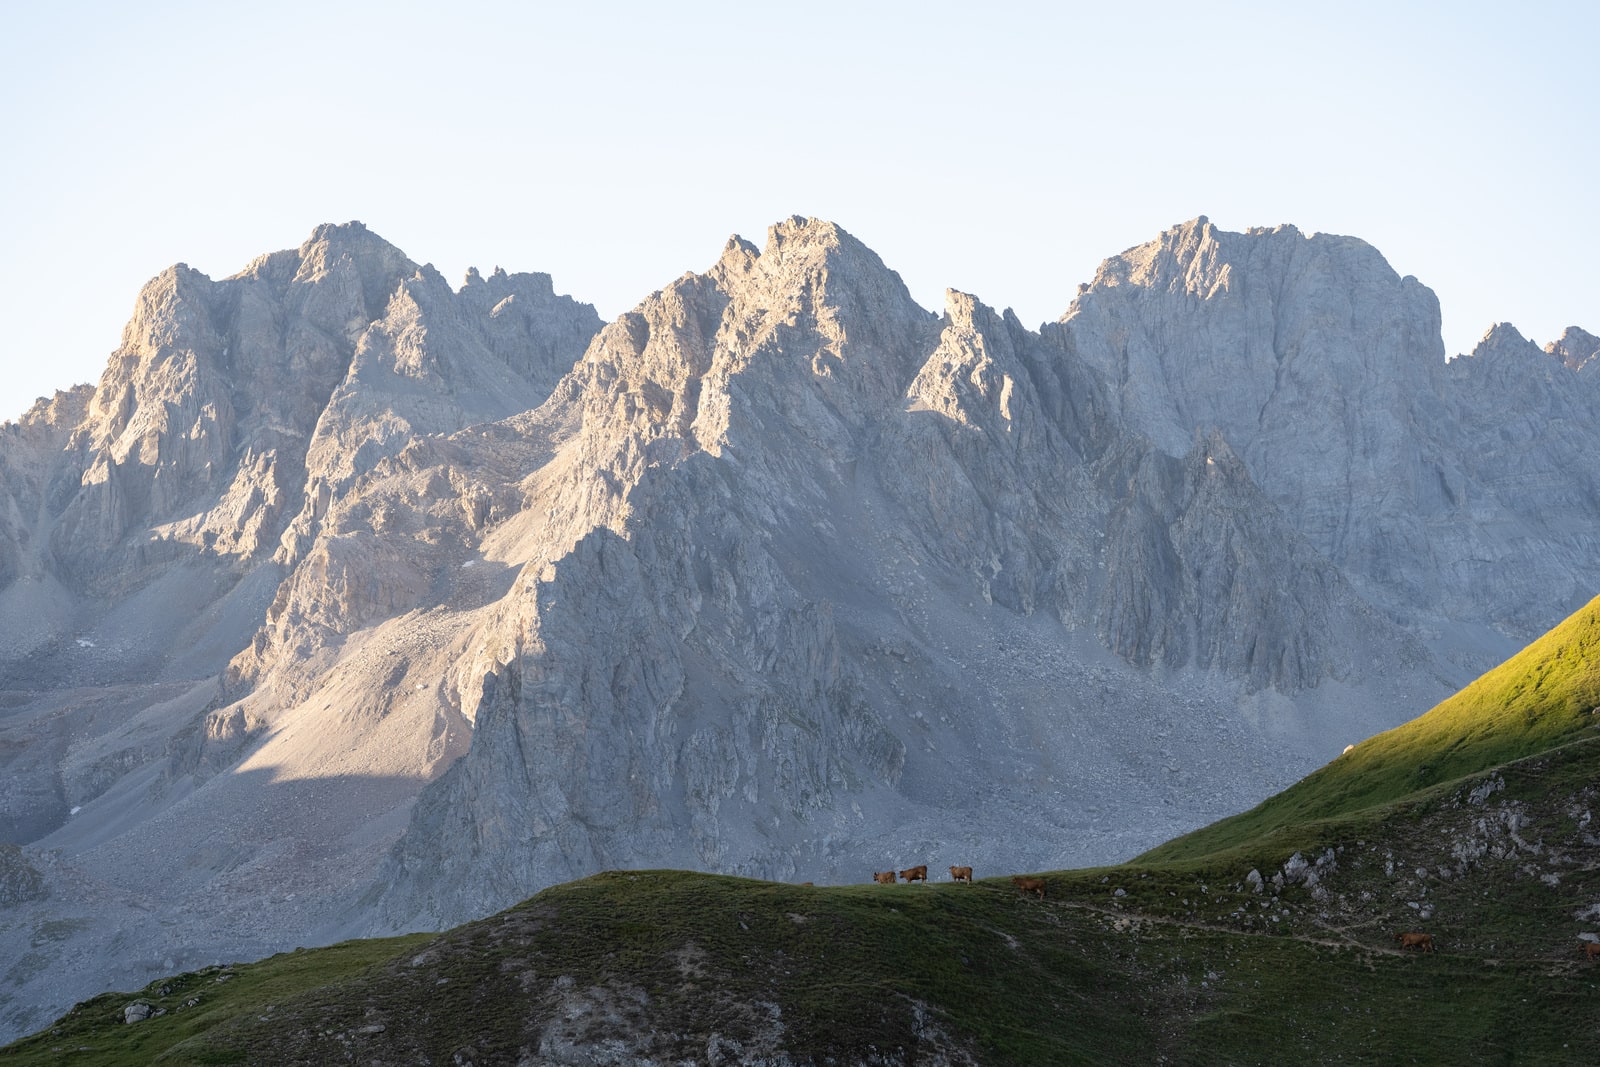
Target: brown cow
{"points": [[1591, 950], [961, 874], [915, 874], [1029, 885], [1420, 942], [883, 877]]}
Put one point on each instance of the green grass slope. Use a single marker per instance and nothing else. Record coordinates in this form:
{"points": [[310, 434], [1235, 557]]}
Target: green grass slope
{"points": [[1266, 939], [1545, 696], [674, 967]]}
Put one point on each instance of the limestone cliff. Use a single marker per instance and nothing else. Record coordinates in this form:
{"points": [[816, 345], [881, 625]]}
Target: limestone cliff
{"points": [[1575, 348], [159, 526], [798, 467], [1324, 371]]}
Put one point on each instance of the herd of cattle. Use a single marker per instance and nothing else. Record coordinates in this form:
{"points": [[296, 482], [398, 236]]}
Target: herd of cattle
{"points": [[919, 873], [1410, 939]]}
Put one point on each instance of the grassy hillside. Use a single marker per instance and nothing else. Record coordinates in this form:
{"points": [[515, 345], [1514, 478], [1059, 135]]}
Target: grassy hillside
{"points": [[1545, 696], [672, 967], [1265, 939]]}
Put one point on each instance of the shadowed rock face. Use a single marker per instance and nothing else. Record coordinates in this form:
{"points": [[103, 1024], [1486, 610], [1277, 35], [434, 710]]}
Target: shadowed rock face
{"points": [[1324, 371], [777, 574]]}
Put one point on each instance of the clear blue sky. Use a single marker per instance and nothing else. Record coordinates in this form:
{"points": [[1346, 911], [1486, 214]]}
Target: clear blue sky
{"points": [[1004, 149]]}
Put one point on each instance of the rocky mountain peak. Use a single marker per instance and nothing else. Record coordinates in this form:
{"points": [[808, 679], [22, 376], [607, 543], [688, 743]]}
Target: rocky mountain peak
{"points": [[62, 410], [1154, 263], [1325, 371], [814, 327], [351, 242], [499, 285], [1200, 260], [831, 288], [170, 305], [804, 254], [798, 233], [974, 376], [336, 240], [964, 310], [1503, 340], [738, 260], [1576, 347], [1205, 327], [363, 265]]}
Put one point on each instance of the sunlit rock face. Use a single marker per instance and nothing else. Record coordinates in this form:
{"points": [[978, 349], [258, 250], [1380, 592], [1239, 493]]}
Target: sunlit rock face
{"points": [[350, 601], [195, 558], [1575, 348]]}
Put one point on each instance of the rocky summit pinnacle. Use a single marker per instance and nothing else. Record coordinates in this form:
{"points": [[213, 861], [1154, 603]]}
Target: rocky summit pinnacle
{"points": [[1576, 348], [348, 601]]}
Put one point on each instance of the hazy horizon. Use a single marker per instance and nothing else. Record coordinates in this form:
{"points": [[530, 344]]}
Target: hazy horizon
{"points": [[1005, 153]]}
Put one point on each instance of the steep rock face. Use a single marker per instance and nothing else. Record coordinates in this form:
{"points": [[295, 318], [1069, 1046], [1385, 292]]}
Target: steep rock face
{"points": [[272, 464], [1235, 331], [1513, 514], [1324, 371], [1203, 571], [435, 362], [230, 402], [795, 463], [667, 672], [139, 521], [1308, 354], [206, 406], [29, 451], [1575, 348], [993, 479]]}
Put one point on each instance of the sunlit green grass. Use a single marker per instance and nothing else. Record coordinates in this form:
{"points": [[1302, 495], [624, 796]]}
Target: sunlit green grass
{"points": [[1541, 698]]}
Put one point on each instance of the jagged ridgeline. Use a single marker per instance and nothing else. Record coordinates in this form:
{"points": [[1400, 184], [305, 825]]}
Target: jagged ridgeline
{"points": [[352, 602], [1471, 825]]}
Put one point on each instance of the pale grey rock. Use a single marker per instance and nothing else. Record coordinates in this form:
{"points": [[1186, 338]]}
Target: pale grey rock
{"points": [[801, 472], [29, 590], [1202, 571], [1486, 789], [1514, 531], [20, 881], [1433, 489], [1575, 348]]}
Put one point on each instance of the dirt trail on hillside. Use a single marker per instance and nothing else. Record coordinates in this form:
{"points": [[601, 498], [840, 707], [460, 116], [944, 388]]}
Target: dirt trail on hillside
{"points": [[1122, 919]]}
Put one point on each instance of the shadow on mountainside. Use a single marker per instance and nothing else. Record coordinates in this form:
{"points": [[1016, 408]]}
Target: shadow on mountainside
{"points": [[245, 865]]}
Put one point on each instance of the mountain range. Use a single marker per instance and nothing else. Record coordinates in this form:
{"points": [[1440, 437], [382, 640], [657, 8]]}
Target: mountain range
{"points": [[349, 602]]}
